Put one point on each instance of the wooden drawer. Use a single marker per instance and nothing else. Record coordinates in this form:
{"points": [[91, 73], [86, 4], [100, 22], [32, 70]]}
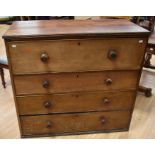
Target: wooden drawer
{"points": [[76, 55], [68, 82], [75, 102], [75, 123]]}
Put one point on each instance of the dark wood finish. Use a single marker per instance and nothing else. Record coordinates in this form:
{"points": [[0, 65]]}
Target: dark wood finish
{"points": [[76, 133], [2, 66], [147, 63], [76, 55], [115, 77], [150, 46], [67, 123], [68, 82], [148, 24], [44, 57], [2, 77], [150, 51], [146, 91], [73, 29], [75, 102], [112, 54]]}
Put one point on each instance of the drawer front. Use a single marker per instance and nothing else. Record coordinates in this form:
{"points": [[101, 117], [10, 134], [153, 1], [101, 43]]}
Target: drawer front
{"points": [[75, 102], [76, 55], [68, 82], [70, 123]]}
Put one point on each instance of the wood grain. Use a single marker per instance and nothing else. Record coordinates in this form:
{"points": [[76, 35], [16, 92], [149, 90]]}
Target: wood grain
{"points": [[71, 82], [142, 124], [75, 102], [69, 123], [76, 79], [76, 55], [73, 28]]}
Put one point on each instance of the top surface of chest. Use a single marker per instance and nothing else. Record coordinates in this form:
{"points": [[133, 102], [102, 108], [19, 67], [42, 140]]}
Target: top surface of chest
{"points": [[73, 29]]}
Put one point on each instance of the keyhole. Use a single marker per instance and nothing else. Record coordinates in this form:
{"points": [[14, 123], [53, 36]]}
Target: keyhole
{"points": [[77, 76], [79, 43]]}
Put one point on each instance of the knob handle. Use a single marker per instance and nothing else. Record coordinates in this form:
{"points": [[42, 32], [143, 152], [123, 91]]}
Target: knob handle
{"points": [[106, 101], [108, 81], [46, 84], [103, 120], [47, 104], [44, 57], [49, 124], [112, 54]]}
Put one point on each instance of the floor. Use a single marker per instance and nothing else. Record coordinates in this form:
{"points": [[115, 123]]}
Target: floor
{"points": [[142, 124]]}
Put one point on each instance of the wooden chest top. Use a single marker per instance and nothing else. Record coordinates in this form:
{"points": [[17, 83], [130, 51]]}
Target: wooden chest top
{"points": [[73, 29]]}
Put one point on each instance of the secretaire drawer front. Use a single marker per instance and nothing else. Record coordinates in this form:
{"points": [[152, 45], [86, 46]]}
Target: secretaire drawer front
{"points": [[76, 55], [68, 82], [70, 123], [75, 102]]}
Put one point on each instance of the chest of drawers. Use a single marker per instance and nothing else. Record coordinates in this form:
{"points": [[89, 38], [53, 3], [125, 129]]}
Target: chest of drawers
{"points": [[72, 77]]}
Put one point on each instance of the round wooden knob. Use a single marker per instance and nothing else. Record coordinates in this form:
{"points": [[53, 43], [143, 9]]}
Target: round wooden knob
{"points": [[47, 104], [103, 120], [106, 101], [112, 54], [46, 84], [108, 81], [49, 124], [44, 57]]}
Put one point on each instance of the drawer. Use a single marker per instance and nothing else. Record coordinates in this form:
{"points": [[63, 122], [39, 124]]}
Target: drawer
{"points": [[76, 55], [75, 102], [68, 82], [75, 123]]}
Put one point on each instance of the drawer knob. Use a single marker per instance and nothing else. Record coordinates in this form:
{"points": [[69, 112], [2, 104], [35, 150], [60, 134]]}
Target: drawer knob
{"points": [[47, 104], [106, 101], [46, 84], [112, 54], [103, 120], [108, 81], [44, 57], [49, 124]]}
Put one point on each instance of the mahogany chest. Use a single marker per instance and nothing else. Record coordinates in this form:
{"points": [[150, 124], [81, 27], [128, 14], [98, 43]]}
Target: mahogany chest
{"points": [[74, 77]]}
